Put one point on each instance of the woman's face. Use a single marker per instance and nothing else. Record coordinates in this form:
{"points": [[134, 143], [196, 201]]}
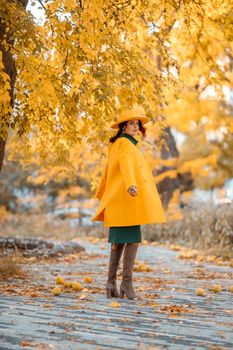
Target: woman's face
{"points": [[132, 127]]}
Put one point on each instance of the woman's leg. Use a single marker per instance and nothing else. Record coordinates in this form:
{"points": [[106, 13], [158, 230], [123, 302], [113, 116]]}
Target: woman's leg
{"points": [[114, 260], [126, 286]]}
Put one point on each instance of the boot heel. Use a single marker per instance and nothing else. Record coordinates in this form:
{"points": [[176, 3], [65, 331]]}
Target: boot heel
{"points": [[108, 292], [121, 293]]}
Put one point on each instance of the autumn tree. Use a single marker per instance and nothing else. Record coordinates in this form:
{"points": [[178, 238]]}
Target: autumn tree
{"points": [[203, 113], [90, 59], [7, 67]]}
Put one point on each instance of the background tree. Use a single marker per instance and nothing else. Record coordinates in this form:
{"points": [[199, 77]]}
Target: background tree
{"points": [[7, 68], [88, 60]]}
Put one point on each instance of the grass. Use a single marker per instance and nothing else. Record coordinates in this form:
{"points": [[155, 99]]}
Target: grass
{"points": [[12, 267], [206, 227], [42, 226]]}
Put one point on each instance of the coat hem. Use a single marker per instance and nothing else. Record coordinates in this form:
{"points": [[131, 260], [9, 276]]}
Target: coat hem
{"points": [[134, 223]]}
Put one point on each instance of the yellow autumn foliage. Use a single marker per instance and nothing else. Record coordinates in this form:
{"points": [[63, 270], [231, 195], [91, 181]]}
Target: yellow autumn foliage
{"points": [[86, 61]]}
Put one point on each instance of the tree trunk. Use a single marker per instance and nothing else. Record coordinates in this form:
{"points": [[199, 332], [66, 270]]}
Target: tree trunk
{"points": [[2, 150], [10, 69], [167, 186]]}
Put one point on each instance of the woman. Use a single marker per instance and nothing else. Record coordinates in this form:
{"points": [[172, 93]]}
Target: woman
{"points": [[128, 198]]}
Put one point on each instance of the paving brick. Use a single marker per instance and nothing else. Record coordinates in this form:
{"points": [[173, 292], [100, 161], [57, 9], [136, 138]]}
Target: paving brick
{"points": [[67, 323]]}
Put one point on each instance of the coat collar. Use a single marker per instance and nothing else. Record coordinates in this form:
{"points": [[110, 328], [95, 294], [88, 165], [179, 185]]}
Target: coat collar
{"points": [[128, 136]]}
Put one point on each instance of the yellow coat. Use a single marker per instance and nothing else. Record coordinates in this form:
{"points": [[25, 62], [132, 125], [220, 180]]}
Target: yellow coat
{"points": [[126, 167]]}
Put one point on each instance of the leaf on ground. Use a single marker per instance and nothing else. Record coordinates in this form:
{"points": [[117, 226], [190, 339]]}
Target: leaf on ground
{"points": [[175, 247], [127, 329], [88, 279], [229, 312], [25, 343], [143, 288], [56, 291], [83, 296], [77, 286], [200, 292], [60, 280], [142, 267], [115, 304], [187, 254], [216, 288], [35, 345], [67, 284], [152, 295], [124, 319], [174, 309], [150, 303], [48, 306]]}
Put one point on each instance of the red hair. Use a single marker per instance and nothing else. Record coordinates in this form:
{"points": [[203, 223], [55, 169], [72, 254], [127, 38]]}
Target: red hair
{"points": [[142, 129]]}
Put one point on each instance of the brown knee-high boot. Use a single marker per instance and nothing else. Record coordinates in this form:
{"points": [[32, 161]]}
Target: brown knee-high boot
{"points": [[126, 286], [114, 260]]}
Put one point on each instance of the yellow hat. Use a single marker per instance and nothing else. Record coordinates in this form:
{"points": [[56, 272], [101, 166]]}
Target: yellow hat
{"points": [[130, 114]]}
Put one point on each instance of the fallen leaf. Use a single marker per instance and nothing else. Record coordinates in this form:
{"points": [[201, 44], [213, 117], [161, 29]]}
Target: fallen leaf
{"points": [[25, 343], [201, 258], [115, 304], [175, 247], [60, 280], [88, 279], [77, 286], [48, 306], [211, 258], [142, 268], [83, 296], [174, 309], [216, 288], [34, 295], [200, 292], [56, 291], [229, 312], [189, 254], [68, 284]]}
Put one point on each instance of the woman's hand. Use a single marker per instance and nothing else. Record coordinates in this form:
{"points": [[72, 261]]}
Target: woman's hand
{"points": [[133, 191]]}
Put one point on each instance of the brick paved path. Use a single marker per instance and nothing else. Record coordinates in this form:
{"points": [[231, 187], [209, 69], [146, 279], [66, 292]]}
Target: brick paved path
{"points": [[170, 316]]}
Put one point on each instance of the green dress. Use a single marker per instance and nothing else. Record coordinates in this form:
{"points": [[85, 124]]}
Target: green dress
{"points": [[125, 234]]}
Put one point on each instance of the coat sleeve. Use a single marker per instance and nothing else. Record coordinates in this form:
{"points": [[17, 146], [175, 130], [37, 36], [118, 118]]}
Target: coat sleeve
{"points": [[102, 184], [126, 163], [101, 187]]}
